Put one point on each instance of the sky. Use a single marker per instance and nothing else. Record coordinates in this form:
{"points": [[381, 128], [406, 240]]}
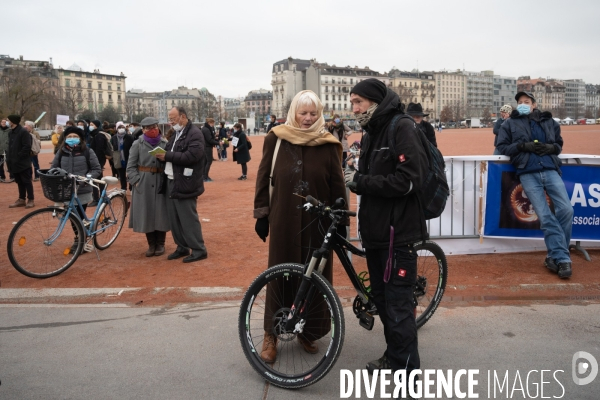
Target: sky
{"points": [[229, 46]]}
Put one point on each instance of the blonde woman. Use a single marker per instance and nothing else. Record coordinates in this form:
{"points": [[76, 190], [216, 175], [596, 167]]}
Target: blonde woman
{"points": [[308, 162]]}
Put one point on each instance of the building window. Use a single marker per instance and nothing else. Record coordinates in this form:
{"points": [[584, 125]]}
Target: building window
{"points": [[67, 82], [326, 97], [67, 73], [89, 85], [109, 86], [109, 96], [118, 97], [100, 96], [99, 85]]}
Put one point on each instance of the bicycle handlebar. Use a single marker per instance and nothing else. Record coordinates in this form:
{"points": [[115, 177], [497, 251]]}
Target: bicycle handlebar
{"points": [[107, 180], [321, 207]]}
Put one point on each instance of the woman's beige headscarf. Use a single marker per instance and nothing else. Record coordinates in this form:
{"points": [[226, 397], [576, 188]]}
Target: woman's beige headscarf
{"points": [[316, 135]]}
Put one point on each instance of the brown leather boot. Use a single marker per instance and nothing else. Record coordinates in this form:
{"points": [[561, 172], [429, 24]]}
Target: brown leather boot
{"points": [[309, 347], [269, 348], [151, 238], [160, 243], [18, 203]]}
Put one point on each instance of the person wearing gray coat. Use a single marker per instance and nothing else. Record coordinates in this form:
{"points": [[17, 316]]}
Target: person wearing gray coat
{"points": [[149, 201]]}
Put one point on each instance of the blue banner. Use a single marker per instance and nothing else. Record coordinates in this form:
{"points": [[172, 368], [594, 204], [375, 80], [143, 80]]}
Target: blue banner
{"points": [[508, 211]]}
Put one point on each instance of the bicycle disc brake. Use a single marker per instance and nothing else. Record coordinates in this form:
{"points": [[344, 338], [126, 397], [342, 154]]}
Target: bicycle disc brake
{"points": [[279, 320]]}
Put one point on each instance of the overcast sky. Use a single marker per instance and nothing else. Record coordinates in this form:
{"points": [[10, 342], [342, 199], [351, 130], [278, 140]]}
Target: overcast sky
{"points": [[229, 46]]}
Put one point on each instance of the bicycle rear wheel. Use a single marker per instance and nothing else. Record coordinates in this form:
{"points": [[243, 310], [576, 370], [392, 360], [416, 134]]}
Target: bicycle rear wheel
{"points": [[109, 221], [294, 367], [39, 248], [432, 274]]}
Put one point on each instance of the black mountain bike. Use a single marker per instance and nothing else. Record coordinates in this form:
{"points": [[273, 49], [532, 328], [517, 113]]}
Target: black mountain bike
{"points": [[304, 298]]}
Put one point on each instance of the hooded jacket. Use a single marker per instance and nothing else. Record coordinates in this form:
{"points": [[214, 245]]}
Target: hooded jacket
{"points": [[389, 185], [209, 138], [74, 161], [517, 130]]}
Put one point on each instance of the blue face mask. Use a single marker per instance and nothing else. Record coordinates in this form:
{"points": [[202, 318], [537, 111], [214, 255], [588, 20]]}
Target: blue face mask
{"points": [[523, 109], [131, 129], [72, 142], [337, 120]]}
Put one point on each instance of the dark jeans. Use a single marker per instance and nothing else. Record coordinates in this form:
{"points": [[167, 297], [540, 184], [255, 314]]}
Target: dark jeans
{"points": [[23, 180], [344, 156], [394, 301], [123, 177], [244, 168], [208, 162], [224, 153], [2, 167], [36, 165]]}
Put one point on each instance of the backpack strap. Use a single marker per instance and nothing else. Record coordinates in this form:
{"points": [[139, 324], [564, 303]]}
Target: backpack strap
{"points": [[272, 168]]}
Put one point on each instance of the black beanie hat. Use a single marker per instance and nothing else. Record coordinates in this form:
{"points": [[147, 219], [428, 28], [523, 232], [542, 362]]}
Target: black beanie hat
{"points": [[372, 89], [15, 119], [97, 123], [72, 129]]}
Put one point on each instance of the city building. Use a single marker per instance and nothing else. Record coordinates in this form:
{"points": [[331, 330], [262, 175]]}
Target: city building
{"points": [[505, 90], [480, 93], [234, 107], [331, 83], [549, 94], [451, 92], [258, 104], [416, 87], [575, 97], [138, 102], [592, 101], [92, 90]]}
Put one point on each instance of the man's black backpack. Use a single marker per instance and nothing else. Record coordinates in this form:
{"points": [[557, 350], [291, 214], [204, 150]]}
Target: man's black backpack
{"points": [[434, 191]]}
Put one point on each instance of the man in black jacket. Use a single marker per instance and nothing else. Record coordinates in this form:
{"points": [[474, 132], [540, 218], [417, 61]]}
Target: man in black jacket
{"points": [[184, 174], [390, 216], [505, 111], [533, 141], [416, 111], [19, 161], [273, 123], [99, 144], [210, 141]]}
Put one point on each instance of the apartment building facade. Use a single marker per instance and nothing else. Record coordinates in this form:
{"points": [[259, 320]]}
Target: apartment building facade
{"points": [[451, 91], [505, 90], [416, 87]]}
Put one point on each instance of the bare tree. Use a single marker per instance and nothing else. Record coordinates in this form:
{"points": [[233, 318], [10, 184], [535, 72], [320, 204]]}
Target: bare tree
{"points": [[446, 114], [24, 92], [559, 112], [486, 116], [458, 110]]}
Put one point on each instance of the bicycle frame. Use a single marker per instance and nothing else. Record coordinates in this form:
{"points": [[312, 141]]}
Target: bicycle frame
{"points": [[75, 204]]}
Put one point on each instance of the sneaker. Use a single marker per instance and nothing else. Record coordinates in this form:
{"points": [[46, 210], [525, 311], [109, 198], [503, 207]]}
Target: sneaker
{"points": [[550, 264], [2, 180], [208, 180], [564, 270], [381, 363], [11, 180], [242, 178], [30, 204], [36, 179], [18, 203]]}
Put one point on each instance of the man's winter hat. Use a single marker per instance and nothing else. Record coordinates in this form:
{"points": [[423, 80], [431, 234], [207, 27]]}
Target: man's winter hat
{"points": [[506, 108], [72, 129], [528, 94], [149, 121], [415, 109], [97, 123], [15, 119], [372, 89]]}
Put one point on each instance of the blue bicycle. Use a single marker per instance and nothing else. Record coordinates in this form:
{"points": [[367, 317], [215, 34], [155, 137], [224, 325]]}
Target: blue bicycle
{"points": [[47, 241]]}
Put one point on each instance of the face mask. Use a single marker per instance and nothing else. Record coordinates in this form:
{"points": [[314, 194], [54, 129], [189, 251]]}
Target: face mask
{"points": [[177, 127], [131, 129], [81, 127], [121, 130], [92, 127], [337, 120], [523, 109], [72, 142], [7, 123]]}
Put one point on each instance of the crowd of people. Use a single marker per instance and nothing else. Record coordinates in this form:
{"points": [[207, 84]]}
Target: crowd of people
{"points": [[305, 155]]}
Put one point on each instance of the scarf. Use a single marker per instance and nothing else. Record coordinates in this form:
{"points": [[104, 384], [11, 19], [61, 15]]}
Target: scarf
{"points": [[153, 141], [316, 135], [120, 137], [364, 118]]}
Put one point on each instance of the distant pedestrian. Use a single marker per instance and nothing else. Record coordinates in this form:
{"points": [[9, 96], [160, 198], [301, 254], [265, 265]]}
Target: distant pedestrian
{"points": [[416, 112], [224, 139], [208, 131], [440, 127], [99, 144], [136, 130], [56, 137], [30, 127], [241, 153], [121, 143], [273, 123], [19, 161], [148, 197], [5, 132], [184, 166], [341, 132], [505, 111]]}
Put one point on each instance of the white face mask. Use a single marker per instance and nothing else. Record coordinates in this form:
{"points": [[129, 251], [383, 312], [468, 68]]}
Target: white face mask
{"points": [[177, 127], [121, 130]]}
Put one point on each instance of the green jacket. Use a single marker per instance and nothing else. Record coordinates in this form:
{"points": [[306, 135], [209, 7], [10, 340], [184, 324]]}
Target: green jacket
{"points": [[4, 135]]}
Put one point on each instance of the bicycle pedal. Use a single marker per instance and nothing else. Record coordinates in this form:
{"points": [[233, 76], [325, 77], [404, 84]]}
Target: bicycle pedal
{"points": [[366, 320]]}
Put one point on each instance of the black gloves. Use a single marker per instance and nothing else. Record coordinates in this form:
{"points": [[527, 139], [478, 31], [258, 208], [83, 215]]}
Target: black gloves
{"points": [[528, 147], [542, 149], [262, 228]]}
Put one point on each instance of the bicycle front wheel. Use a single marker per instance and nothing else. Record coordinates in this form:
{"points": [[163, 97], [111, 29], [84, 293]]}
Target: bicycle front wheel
{"points": [[43, 244], [432, 274], [109, 222], [262, 314]]}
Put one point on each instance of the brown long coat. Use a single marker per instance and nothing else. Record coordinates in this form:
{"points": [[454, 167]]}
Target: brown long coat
{"points": [[304, 170]]}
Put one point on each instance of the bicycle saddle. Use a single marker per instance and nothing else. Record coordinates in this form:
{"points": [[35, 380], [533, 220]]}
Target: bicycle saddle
{"points": [[110, 180]]}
